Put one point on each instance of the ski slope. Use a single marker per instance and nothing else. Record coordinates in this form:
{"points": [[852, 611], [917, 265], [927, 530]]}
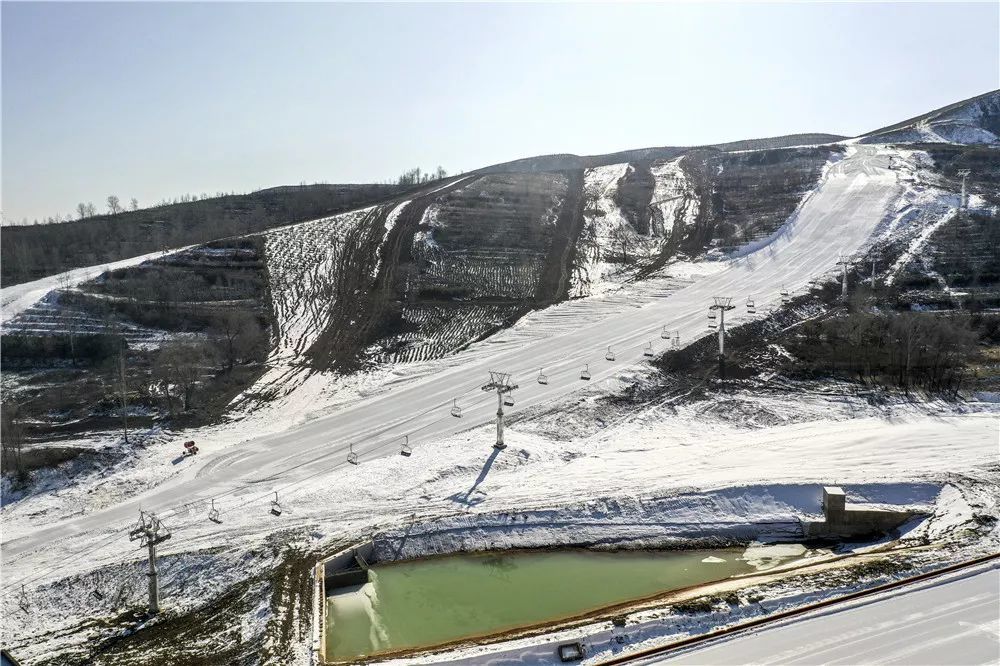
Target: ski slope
{"points": [[949, 622], [855, 194]]}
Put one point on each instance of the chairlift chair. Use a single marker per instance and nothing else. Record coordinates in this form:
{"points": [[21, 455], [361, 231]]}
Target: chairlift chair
{"points": [[585, 375], [542, 377], [456, 411], [508, 400], [405, 450], [610, 355], [664, 334], [675, 343], [275, 506], [352, 457], [213, 513], [648, 351], [751, 306]]}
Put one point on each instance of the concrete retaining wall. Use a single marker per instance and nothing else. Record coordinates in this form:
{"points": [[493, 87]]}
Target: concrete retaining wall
{"points": [[348, 567], [853, 520]]}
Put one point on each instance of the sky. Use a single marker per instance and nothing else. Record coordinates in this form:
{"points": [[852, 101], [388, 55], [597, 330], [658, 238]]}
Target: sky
{"points": [[153, 101]]}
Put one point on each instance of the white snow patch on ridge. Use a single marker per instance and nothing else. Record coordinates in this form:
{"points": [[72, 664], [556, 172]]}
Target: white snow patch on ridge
{"points": [[603, 223], [674, 196]]}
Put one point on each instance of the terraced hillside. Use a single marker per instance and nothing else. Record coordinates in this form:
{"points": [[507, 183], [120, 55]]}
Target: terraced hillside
{"points": [[414, 278], [184, 331], [30, 252], [422, 274]]}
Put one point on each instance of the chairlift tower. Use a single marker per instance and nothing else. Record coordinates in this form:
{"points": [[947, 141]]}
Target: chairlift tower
{"points": [[963, 203], [722, 305], [149, 531], [844, 262], [501, 383]]}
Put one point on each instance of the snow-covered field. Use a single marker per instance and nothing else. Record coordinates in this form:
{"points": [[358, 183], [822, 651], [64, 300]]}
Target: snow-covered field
{"points": [[661, 479]]}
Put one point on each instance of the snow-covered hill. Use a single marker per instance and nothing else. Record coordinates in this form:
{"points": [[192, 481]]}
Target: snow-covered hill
{"points": [[383, 320], [972, 121]]}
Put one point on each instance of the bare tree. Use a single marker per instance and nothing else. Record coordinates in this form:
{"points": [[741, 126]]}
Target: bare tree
{"points": [[182, 363], [241, 336], [133, 204], [91, 209], [12, 429], [121, 369], [81, 210], [114, 205], [621, 236]]}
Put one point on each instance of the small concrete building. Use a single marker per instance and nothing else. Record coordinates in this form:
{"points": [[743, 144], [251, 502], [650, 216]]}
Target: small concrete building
{"points": [[854, 520], [834, 502]]}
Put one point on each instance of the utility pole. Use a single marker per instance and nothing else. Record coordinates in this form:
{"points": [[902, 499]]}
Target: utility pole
{"points": [[149, 531], [963, 203], [500, 382], [122, 387], [722, 304]]}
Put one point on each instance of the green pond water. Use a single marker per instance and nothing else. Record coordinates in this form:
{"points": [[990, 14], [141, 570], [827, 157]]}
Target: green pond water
{"points": [[433, 601]]}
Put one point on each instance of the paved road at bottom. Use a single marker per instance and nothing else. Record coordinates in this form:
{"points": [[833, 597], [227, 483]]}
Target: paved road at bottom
{"points": [[948, 622]]}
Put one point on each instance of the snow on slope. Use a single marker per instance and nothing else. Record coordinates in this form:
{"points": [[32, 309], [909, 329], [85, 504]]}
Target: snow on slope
{"points": [[852, 199], [608, 236], [302, 261], [605, 485], [674, 196], [603, 222], [967, 122], [18, 298], [307, 463]]}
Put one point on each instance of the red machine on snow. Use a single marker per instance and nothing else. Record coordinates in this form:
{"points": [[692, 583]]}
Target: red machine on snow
{"points": [[190, 448]]}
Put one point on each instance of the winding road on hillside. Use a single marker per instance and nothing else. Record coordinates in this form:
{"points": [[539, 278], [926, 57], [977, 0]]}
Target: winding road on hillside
{"points": [[853, 197]]}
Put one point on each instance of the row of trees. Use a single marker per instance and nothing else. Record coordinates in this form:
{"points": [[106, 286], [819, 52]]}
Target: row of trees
{"points": [[415, 176], [30, 252], [179, 369], [115, 206], [909, 350]]}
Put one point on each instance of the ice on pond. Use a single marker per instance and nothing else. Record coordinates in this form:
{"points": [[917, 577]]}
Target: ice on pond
{"points": [[762, 556]]}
